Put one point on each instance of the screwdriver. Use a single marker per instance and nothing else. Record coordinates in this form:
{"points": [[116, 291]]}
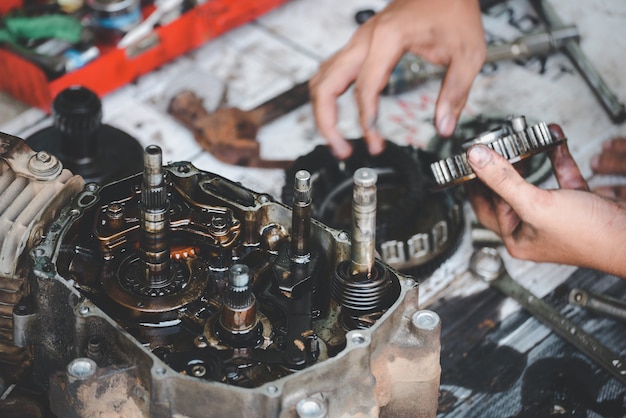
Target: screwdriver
{"points": [[411, 70]]}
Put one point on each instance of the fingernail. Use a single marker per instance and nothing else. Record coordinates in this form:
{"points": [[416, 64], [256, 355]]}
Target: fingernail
{"points": [[594, 162], [341, 149], [375, 148], [445, 125], [478, 156]]}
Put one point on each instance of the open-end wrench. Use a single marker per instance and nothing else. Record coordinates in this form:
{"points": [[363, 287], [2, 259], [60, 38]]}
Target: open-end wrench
{"points": [[229, 133], [413, 70], [600, 88], [602, 304], [487, 265]]}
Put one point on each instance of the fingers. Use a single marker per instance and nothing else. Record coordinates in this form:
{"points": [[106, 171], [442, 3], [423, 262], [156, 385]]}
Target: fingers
{"points": [[615, 145], [612, 159], [617, 193], [455, 90], [331, 81], [481, 199], [383, 54], [501, 177], [609, 162], [565, 169]]}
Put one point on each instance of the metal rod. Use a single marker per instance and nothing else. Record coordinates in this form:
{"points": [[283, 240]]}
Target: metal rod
{"points": [[363, 221], [487, 265], [599, 303], [301, 215], [600, 88]]}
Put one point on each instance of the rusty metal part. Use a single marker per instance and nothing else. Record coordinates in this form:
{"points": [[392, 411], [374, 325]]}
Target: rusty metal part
{"points": [[230, 133], [602, 91]]}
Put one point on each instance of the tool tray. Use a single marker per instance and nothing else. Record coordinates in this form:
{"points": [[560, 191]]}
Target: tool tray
{"points": [[116, 67]]}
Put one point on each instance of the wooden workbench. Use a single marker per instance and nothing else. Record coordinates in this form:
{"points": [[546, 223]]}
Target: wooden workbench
{"points": [[497, 360]]}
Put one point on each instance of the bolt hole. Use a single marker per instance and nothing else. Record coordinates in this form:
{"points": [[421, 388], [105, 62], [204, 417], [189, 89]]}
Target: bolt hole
{"points": [[21, 310]]}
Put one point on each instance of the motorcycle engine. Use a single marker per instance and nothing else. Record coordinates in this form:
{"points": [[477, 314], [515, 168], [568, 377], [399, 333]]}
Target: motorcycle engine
{"points": [[176, 292]]}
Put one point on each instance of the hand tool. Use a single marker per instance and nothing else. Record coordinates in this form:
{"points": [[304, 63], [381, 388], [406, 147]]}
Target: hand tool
{"points": [[61, 28], [143, 29], [487, 265], [413, 70], [600, 88], [598, 303], [230, 133]]}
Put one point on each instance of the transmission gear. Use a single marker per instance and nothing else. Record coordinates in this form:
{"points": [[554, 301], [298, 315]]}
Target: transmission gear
{"points": [[514, 140]]}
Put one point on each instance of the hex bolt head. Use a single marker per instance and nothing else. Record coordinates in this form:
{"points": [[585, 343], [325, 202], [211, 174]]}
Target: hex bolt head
{"points": [[44, 164], [425, 320], [311, 408], [81, 368]]}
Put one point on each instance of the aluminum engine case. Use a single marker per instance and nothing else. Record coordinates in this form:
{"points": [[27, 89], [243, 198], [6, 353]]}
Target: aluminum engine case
{"points": [[390, 369]]}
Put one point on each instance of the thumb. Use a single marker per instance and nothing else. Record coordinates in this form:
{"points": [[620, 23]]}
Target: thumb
{"points": [[500, 176]]}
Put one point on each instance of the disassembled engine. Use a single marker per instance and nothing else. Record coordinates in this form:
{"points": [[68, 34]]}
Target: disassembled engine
{"points": [[176, 292]]}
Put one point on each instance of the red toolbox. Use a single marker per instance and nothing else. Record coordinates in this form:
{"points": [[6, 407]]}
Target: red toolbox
{"points": [[115, 67]]}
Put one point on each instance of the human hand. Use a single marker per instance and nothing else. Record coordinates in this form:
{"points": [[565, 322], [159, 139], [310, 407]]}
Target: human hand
{"points": [[569, 225], [612, 160], [448, 33]]}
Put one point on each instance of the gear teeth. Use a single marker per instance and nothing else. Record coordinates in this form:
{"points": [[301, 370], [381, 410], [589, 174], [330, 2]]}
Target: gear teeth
{"points": [[514, 147]]}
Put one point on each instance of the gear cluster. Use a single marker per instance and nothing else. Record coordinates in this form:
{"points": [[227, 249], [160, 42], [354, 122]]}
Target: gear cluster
{"points": [[514, 140]]}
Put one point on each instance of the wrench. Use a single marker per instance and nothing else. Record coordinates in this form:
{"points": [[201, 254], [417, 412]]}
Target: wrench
{"points": [[487, 265], [412, 70], [598, 303], [230, 133], [600, 88]]}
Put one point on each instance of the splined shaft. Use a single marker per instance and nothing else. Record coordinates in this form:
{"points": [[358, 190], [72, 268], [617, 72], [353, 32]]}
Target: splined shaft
{"points": [[301, 217], [363, 221], [239, 308], [154, 222]]}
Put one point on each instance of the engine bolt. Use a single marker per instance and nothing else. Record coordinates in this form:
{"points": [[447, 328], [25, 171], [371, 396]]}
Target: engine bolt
{"points": [[81, 368], [311, 408], [198, 370]]}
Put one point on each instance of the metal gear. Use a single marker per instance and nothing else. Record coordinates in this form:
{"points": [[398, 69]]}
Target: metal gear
{"points": [[514, 140]]}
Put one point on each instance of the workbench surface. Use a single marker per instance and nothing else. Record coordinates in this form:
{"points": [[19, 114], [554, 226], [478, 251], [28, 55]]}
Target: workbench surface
{"points": [[497, 360]]}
